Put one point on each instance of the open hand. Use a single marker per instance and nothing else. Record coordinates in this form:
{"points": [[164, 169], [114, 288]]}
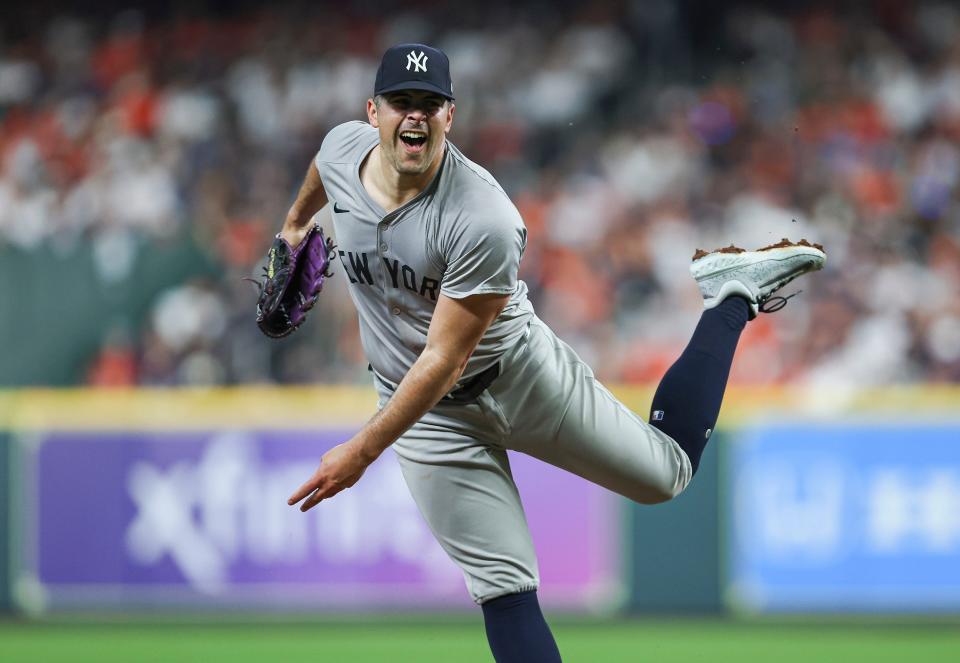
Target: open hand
{"points": [[340, 468]]}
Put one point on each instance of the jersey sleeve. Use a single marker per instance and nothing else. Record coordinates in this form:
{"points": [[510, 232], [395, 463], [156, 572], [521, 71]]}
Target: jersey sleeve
{"points": [[344, 142], [483, 251]]}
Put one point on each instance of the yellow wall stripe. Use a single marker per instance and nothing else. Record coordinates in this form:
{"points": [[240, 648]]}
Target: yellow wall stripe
{"points": [[171, 409], [305, 407]]}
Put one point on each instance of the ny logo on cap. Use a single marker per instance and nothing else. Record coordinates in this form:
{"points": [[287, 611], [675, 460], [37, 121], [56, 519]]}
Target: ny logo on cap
{"points": [[418, 62]]}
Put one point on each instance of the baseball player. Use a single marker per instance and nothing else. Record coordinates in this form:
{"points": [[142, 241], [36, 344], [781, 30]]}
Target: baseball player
{"points": [[465, 370]]}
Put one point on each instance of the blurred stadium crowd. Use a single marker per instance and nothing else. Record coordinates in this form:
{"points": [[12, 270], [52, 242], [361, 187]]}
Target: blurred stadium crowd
{"points": [[628, 134]]}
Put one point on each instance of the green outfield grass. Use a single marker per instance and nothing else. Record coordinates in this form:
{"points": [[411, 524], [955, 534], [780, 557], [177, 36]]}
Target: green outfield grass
{"points": [[679, 641]]}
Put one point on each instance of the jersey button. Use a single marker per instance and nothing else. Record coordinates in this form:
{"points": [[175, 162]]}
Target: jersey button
{"points": [[383, 247], [395, 310]]}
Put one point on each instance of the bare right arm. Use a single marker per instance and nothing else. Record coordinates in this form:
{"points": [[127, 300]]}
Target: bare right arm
{"points": [[310, 200]]}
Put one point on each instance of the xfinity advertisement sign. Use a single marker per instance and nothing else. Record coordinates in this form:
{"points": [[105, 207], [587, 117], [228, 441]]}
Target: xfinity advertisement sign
{"points": [[201, 518]]}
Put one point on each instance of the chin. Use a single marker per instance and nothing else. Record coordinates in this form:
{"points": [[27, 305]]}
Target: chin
{"points": [[408, 168]]}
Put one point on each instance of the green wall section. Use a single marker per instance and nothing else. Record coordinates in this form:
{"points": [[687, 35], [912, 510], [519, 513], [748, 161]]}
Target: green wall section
{"points": [[56, 306], [674, 548]]}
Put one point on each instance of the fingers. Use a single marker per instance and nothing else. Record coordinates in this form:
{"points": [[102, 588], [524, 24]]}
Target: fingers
{"points": [[304, 490], [317, 489], [312, 501], [328, 490], [334, 474]]}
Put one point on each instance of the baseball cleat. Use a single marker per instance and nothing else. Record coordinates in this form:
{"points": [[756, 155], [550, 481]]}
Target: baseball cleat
{"points": [[754, 275]]}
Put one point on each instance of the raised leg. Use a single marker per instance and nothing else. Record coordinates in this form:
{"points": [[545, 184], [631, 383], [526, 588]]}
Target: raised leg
{"points": [[687, 402]]}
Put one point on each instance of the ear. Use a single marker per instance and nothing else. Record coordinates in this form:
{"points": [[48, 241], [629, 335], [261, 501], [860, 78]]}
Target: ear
{"points": [[372, 113], [446, 129]]}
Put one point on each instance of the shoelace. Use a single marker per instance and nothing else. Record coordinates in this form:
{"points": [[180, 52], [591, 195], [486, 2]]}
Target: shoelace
{"points": [[774, 304]]}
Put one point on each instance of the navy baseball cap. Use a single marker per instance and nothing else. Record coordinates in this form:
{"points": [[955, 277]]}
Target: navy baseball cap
{"points": [[414, 67]]}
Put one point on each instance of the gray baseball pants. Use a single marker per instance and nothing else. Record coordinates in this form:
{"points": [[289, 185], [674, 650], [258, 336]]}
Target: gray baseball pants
{"points": [[545, 403]]}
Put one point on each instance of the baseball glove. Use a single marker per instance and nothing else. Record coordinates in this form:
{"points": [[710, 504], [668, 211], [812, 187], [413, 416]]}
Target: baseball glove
{"points": [[292, 281]]}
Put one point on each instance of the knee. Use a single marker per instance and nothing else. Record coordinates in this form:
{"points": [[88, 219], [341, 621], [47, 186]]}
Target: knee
{"points": [[655, 495], [666, 478], [662, 490]]}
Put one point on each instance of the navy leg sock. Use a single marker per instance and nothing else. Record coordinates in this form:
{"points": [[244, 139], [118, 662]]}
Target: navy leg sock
{"points": [[517, 631], [687, 402]]}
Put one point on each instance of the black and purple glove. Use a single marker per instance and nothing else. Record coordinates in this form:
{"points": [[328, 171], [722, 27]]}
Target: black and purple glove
{"points": [[293, 279]]}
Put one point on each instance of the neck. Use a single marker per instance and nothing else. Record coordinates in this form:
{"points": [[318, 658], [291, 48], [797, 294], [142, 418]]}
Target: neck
{"points": [[399, 188]]}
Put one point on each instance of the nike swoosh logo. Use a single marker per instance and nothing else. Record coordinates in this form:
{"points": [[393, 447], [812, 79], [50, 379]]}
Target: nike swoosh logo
{"points": [[337, 209]]}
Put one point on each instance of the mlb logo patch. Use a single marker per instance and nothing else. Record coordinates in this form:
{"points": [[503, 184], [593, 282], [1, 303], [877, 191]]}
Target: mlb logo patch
{"points": [[658, 415]]}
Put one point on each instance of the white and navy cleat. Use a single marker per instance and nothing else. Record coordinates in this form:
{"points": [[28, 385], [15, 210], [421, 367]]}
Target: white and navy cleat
{"points": [[754, 275]]}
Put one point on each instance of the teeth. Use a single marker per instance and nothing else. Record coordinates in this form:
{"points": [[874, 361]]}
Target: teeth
{"points": [[412, 134]]}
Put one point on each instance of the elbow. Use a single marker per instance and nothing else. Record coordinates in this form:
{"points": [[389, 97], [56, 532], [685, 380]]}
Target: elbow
{"points": [[450, 365], [457, 373]]}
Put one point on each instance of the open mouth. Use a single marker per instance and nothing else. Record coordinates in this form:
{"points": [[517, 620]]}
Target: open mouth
{"points": [[414, 140]]}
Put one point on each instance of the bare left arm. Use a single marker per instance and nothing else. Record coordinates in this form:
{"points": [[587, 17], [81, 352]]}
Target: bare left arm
{"points": [[455, 329]]}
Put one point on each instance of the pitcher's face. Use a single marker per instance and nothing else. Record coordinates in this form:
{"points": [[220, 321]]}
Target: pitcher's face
{"points": [[413, 126]]}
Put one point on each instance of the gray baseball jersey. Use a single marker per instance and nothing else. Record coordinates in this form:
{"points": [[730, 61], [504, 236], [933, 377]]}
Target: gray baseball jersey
{"points": [[461, 236]]}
